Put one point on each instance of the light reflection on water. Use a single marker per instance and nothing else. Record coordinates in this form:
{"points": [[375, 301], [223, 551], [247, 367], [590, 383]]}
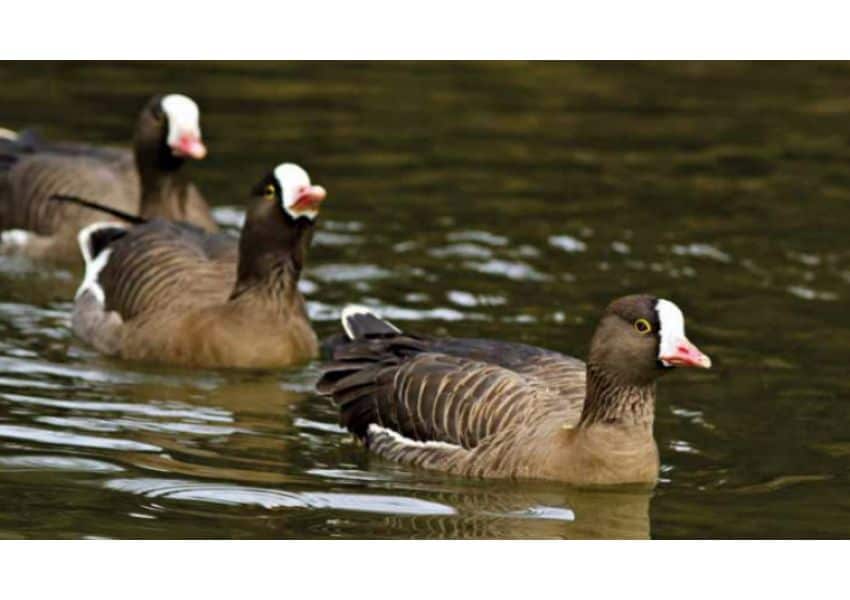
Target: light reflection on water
{"points": [[501, 200]]}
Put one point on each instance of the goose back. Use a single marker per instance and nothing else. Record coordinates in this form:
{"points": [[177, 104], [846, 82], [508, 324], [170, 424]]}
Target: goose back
{"points": [[454, 404], [32, 179], [165, 264]]}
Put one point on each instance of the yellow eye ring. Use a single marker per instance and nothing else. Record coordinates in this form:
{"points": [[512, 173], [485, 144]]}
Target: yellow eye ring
{"points": [[642, 326], [269, 192]]}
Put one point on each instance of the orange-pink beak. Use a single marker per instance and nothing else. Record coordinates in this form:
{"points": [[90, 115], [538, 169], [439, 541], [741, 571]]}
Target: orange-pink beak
{"points": [[308, 198], [686, 354], [189, 145]]}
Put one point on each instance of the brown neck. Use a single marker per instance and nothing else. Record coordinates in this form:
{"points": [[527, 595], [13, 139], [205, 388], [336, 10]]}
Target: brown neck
{"points": [[159, 172], [163, 195], [611, 402], [277, 284], [271, 260]]}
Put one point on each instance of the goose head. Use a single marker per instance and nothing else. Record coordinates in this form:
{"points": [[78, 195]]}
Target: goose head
{"points": [[169, 131], [640, 337], [279, 222], [288, 188], [183, 130]]}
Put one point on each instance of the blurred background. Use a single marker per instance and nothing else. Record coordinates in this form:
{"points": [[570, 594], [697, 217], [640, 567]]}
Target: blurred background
{"points": [[506, 200]]}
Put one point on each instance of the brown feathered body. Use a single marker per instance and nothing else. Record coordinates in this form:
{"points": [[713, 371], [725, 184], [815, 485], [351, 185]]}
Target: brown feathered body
{"points": [[146, 181], [30, 179], [484, 408], [175, 294]]}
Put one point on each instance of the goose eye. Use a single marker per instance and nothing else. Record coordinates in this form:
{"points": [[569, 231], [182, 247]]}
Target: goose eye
{"points": [[643, 326], [269, 192]]}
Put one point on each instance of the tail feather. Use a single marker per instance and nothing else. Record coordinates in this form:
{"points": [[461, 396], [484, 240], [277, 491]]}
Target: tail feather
{"points": [[11, 149], [360, 323], [94, 238], [336, 371], [361, 365], [94, 241], [19, 143]]}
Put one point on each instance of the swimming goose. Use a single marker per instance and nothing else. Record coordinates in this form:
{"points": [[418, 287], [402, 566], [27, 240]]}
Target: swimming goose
{"points": [[494, 409], [169, 292], [146, 181]]}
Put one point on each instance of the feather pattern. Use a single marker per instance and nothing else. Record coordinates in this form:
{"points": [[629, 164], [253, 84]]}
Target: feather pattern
{"points": [[412, 387], [32, 179], [486, 408], [166, 264]]}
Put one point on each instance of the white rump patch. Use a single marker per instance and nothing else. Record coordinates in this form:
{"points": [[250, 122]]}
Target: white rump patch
{"points": [[8, 134], [353, 310], [672, 328], [183, 117], [375, 429], [93, 266], [291, 178], [15, 238]]}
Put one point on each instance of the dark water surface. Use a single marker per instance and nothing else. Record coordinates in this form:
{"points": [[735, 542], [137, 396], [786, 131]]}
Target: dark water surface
{"points": [[502, 200]]}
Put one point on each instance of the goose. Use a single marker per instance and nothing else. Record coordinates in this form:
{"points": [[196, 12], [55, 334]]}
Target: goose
{"points": [[146, 181], [493, 409], [168, 292]]}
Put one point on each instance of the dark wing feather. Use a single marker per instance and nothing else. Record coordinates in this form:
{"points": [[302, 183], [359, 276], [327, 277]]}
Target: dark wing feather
{"points": [[424, 396], [162, 264], [543, 367], [29, 142]]}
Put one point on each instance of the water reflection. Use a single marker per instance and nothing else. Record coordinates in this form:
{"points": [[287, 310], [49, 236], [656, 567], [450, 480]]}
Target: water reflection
{"points": [[562, 514]]}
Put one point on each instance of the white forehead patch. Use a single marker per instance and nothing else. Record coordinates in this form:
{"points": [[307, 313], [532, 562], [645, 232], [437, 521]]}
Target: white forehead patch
{"points": [[672, 327], [183, 117], [291, 178]]}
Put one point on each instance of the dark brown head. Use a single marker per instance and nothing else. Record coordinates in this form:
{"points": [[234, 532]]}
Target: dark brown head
{"points": [[639, 337], [279, 222], [168, 132]]}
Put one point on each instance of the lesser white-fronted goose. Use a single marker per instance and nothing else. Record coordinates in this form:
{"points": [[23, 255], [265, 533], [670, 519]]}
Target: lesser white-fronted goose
{"points": [[145, 181], [169, 292], [486, 408]]}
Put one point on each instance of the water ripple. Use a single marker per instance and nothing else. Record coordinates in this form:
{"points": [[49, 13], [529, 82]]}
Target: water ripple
{"points": [[485, 237], [515, 270], [567, 243], [64, 438], [233, 495], [552, 513], [151, 410], [113, 425], [701, 251], [348, 272], [38, 462], [810, 294]]}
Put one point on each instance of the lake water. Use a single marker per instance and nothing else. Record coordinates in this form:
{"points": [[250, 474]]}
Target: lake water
{"points": [[503, 200]]}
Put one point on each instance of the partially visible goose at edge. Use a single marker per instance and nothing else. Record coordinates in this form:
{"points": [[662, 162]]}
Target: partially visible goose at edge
{"points": [[147, 181], [170, 293], [493, 409]]}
